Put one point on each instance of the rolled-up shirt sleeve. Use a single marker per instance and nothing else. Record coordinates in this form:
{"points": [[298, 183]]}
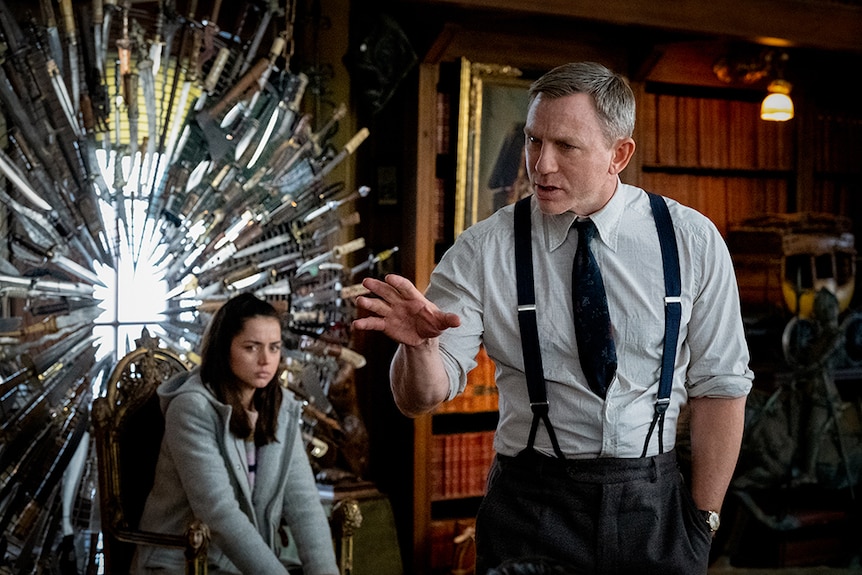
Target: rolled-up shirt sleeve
{"points": [[456, 287], [716, 336]]}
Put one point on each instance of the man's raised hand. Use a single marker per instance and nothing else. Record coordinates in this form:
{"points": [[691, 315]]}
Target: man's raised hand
{"points": [[402, 312]]}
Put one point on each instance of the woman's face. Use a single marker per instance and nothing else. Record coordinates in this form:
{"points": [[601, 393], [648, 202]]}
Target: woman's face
{"points": [[255, 354]]}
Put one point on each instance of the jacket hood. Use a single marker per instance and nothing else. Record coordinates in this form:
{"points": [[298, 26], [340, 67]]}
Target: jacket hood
{"points": [[190, 382], [186, 382]]}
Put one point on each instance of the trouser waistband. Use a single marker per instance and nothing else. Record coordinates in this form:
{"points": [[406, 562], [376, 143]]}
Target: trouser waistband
{"points": [[596, 470]]}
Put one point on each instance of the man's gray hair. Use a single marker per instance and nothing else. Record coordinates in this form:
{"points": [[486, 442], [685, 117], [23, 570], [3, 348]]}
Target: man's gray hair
{"points": [[610, 92]]}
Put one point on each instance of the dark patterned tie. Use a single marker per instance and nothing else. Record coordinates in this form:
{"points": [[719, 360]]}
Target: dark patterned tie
{"points": [[592, 321]]}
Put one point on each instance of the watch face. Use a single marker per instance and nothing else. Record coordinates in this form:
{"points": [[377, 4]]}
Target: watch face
{"points": [[713, 520]]}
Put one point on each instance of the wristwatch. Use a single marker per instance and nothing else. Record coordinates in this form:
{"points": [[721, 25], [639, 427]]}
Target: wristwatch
{"points": [[712, 519]]}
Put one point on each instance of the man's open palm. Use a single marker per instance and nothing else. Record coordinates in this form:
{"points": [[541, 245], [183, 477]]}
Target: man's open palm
{"points": [[402, 312]]}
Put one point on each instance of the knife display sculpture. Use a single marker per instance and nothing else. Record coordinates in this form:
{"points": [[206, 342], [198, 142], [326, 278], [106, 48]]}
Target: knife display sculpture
{"points": [[148, 136]]}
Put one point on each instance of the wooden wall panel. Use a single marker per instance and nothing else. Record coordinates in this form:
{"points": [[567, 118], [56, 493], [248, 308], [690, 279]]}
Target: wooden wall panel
{"points": [[726, 201], [688, 137], [667, 131], [712, 132], [645, 131], [716, 156], [690, 132], [742, 121], [841, 142]]}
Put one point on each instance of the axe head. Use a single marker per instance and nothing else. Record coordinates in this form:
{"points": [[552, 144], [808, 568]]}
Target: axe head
{"points": [[218, 143]]}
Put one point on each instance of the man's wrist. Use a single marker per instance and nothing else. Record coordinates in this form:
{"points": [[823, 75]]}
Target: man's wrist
{"points": [[426, 345]]}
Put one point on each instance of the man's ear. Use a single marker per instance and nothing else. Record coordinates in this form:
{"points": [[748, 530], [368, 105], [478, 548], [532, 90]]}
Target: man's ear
{"points": [[623, 152]]}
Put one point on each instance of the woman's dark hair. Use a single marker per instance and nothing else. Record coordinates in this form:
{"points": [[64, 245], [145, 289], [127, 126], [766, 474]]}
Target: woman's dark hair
{"points": [[215, 369]]}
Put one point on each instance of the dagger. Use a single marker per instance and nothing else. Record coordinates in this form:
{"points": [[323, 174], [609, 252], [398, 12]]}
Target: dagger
{"points": [[336, 252], [373, 261], [19, 180], [63, 97], [354, 358], [55, 324], [263, 245], [68, 16], [54, 256], [284, 161], [54, 45], [335, 204], [14, 286]]}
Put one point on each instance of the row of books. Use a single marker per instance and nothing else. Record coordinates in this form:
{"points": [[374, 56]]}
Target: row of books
{"points": [[452, 545], [841, 137], [460, 463], [712, 133], [481, 391]]}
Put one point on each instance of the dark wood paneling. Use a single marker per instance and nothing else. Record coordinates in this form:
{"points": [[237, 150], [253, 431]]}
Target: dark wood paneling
{"points": [[822, 23]]}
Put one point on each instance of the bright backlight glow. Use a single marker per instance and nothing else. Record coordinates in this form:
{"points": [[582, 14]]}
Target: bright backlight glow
{"points": [[134, 292]]}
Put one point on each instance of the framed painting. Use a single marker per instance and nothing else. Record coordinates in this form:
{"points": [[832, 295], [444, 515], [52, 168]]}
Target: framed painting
{"points": [[490, 165]]}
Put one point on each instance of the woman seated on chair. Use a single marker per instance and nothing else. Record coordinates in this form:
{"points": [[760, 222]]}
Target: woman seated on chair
{"points": [[232, 456]]}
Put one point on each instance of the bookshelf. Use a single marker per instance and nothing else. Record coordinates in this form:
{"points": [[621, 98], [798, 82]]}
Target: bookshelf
{"points": [[453, 447], [462, 450], [445, 158], [711, 151]]}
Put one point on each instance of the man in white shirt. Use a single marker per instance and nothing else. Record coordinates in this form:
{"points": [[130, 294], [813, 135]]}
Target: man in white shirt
{"points": [[591, 480]]}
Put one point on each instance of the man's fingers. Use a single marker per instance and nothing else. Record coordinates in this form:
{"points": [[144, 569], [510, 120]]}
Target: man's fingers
{"points": [[374, 305], [403, 286], [432, 322], [451, 320], [402, 312], [382, 289], [369, 324], [377, 287]]}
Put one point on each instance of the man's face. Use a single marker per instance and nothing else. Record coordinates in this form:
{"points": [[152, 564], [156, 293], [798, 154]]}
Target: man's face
{"points": [[569, 161]]}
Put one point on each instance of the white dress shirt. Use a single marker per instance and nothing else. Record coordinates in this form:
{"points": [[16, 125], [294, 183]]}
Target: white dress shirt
{"points": [[476, 280]]}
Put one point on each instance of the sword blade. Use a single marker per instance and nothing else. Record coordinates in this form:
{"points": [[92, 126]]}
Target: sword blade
{"points": [[77, 269], [19, 180]]}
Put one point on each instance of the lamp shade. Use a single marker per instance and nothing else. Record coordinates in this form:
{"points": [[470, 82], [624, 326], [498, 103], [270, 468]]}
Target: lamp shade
{"points": [[777, 106]]}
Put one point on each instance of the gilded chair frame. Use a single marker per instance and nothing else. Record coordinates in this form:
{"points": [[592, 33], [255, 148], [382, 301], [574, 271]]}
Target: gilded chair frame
{"points": [[132, 383]]}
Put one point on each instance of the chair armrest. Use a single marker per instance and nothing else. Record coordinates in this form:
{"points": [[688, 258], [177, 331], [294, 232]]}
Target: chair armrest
{"points": [[195, 543]]}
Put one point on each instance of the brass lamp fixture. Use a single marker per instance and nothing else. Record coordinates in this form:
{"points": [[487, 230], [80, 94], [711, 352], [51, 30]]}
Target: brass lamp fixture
{"points": [[777, 105], [741, 67]]}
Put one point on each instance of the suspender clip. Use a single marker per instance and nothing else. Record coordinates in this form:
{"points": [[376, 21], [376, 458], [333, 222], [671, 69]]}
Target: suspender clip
{"points": [[661, 405], [539, 407], [672, 299], [528, 307]]}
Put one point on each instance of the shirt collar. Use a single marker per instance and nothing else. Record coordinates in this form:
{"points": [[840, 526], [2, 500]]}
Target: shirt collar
{"points": [[607, 221]]}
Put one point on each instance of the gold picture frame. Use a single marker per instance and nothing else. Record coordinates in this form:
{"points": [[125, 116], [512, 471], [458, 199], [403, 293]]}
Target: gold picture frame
{"points": [[492, 109]]}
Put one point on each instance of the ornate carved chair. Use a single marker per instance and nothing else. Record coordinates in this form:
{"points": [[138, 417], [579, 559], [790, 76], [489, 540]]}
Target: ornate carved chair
{"points": [[345, 520], [128, 427]]}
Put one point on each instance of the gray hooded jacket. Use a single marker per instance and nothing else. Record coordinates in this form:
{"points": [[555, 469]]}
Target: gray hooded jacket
{"points": [[202, 473]]}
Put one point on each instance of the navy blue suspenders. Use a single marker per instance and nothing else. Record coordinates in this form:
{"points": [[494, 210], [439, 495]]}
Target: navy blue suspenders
{"points": [[529, 330], [672, 313], [530, 335]]}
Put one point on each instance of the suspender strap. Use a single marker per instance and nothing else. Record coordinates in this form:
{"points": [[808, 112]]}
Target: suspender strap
{"points": [[530, 334], [529, 329], [672, 313]]}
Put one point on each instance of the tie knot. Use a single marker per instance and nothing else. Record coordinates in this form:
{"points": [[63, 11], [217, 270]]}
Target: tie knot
{"points": [[586, 229]]}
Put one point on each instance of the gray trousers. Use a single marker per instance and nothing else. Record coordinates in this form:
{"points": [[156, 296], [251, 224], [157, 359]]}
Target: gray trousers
{"points": [[601, 516]]}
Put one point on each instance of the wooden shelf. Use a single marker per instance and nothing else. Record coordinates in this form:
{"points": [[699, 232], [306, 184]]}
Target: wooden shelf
{"points": [[717, 172]]}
